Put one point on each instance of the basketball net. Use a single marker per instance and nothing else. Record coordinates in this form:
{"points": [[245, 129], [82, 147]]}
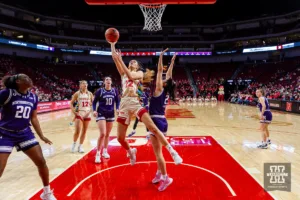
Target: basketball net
{"points": [[152, 14]]}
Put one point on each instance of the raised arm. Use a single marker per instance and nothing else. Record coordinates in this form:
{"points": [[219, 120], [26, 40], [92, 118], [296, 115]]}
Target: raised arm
{"points": [[118, 64], [170, 70], [131, 76], [159, 81]]}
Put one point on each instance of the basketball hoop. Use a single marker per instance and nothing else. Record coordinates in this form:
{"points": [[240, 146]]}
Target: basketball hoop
{"points": [[152, 14]]}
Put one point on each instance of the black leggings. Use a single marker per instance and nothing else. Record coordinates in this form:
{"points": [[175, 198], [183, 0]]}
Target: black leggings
{"points": [[136, 123]]}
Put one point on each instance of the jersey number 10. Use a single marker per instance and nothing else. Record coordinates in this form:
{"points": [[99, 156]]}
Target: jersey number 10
{"points": [[23, 112], [108, 101]]}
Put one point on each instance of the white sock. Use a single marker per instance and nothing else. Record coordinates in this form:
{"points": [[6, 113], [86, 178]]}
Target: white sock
{"points": [[79, 145], [170, 148], [129, 151], [98, 152], [158, 172], [268, 138], [164, 177], [104, 150], [47, 189], [74, 143]]}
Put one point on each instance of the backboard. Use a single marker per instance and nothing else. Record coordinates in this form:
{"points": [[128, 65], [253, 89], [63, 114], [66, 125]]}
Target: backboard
{"points": [[152, 9], [135, 2]]}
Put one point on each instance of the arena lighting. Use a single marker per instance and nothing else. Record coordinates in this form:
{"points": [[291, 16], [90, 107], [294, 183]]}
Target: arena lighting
{"points": [[148, 53], [290, 45], [260, 49], [72, 50], [103, 53], [272, 48], [225, 52], [24, 44]]}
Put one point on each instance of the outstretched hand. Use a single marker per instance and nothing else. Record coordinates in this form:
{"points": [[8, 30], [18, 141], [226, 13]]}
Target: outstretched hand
{"points": [[117, 54], [164, 51], [174, 57]]}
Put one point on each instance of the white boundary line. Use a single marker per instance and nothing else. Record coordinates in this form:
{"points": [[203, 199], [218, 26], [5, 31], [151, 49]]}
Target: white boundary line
{"points": [[246, 170], [155, 161], [61, 172], [146, 162]]}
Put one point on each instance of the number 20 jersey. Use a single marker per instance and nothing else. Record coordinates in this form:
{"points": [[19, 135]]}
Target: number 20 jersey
{"points": [[16, 109]]}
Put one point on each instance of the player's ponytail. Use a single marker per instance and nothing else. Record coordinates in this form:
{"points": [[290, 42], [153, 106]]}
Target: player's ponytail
{"points": [[10, 81], [262, 91], [148, 74]]}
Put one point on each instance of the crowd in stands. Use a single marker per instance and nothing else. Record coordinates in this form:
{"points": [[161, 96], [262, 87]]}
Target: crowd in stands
{"points": [[53, 88], [208, 88], [281, 86], [183, 88], [51, 85], [47, 88]]}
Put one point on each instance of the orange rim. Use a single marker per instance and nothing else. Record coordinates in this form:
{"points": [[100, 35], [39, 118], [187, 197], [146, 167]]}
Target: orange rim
{"points": [[152, 5]]}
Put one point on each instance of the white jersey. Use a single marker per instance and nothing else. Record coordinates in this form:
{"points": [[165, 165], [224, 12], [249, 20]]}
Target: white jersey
{"points": [[84, 101], [129, 87]]}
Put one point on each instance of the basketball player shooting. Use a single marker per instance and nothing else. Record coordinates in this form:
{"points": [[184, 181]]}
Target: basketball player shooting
{"points": [[130, 105]]}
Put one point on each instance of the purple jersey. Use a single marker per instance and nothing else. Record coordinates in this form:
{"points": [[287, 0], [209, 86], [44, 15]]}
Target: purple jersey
{"points": [[158, 104], [16, 109], [267, 115], [105, 100], [145, 99], [267, 105]]}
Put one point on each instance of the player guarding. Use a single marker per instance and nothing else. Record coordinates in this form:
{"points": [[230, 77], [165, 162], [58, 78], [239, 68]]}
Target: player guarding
{"points": [[130, 105], [82, 114], [19, 108], [157, 110], [265, 118], [104, 110]]}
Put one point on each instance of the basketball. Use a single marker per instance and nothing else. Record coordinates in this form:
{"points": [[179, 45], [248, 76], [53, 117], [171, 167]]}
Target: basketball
{"points": [[112, 35]]}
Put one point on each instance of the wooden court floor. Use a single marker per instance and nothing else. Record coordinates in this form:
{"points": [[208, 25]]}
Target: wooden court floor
{"points": [[234, 127]]}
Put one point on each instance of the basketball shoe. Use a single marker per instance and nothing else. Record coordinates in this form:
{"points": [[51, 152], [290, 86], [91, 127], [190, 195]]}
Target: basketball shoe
{"points": [[157, 178], [132, 155], [165, 183], [48, 196], [80, 149], [263, 145], [98, 157], [132, 133], [73, 147], [105, 154]]}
